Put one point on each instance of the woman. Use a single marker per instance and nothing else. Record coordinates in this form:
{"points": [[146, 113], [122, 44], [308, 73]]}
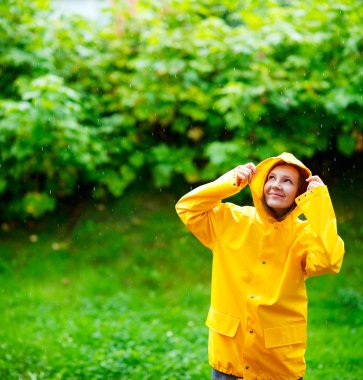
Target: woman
{"points": [[262, 256]]}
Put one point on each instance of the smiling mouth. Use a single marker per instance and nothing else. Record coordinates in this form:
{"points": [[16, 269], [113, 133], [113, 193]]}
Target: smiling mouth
{"points": [[276, 195]]}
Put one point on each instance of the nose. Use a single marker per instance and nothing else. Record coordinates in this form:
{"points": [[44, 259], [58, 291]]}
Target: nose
{"points": [[276, 185]]}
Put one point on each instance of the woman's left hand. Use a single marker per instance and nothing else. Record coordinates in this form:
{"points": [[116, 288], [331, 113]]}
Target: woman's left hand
{"points": [[314, 181]]}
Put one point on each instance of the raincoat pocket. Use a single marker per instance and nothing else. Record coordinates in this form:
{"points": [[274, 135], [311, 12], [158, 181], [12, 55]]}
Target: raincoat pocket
{"points": [[222, 323], [285, 335]]}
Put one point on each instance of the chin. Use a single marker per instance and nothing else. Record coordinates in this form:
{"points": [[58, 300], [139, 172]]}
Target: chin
{"points": [[276, 205]]}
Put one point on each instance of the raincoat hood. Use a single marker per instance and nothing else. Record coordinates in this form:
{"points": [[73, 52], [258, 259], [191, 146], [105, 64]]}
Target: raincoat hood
{"points": [[263, 168]]}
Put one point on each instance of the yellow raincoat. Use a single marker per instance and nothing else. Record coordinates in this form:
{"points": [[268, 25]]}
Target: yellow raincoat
{"points": [[258, 314]]}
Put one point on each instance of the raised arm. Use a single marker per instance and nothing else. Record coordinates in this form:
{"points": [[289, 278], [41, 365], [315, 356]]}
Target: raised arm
{"points": [[199, 208], [323, 249]]}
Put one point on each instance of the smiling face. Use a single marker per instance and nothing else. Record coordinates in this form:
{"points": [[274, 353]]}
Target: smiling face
{"points": [[281, 188]]}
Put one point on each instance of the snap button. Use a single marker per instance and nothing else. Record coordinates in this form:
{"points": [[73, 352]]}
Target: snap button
{"points": [[311, 191], [234, 184], [251, 331], [299, 199], [247, 366], [252, 296], [263, 261]]}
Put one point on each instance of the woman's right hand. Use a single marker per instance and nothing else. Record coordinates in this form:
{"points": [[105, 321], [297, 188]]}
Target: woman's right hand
{"points": [[245, 172]]}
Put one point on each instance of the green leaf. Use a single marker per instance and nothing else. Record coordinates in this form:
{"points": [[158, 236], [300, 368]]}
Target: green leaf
{"points": [[37, 204], [346, 144], [3, 185], [219, 153]]}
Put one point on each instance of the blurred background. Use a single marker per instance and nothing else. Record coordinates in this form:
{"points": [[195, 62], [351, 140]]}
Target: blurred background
{"points": [[110, 111]]}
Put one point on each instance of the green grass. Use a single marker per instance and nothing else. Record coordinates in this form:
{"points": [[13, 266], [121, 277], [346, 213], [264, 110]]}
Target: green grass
{"points": [[124, 295]]}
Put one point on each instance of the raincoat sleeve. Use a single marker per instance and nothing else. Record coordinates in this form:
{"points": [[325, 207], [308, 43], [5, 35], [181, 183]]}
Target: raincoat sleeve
{"points": [[201, 209], [322, 248]]}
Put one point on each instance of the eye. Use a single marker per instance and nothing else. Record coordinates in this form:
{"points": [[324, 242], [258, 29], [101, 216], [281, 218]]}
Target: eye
{"points": [[288, 180], [271, 177]]}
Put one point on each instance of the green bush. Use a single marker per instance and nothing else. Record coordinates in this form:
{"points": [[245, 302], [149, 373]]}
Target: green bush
{"points": [[184, 88]]}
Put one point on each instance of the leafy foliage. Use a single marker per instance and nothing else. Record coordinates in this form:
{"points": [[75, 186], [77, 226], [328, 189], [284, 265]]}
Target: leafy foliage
{"points": [[172, 88]]}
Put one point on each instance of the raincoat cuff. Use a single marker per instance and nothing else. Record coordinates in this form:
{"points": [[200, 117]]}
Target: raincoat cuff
{"points": [[231, 177], [228, 184], [309, 195]]}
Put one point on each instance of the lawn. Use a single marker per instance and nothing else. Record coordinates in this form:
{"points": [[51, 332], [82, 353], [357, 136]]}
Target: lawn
{"points": [[121, 291]]}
